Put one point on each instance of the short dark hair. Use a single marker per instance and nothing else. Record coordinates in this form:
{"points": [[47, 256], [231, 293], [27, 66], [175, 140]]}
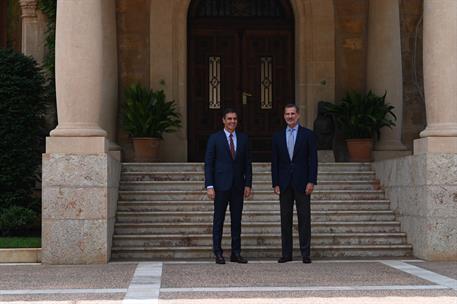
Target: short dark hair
{"points": [[291, 105], [228, 110]]}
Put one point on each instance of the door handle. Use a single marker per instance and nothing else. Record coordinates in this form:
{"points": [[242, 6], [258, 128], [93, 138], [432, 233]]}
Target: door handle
{"points": [[245, 96]]}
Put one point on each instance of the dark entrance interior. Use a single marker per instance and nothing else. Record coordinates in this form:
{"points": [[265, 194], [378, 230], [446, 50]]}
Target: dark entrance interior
{"points": [[240, 55]]}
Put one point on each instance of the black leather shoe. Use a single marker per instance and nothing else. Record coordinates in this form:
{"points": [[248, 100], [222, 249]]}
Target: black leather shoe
{"points": [[238, 259], [306, 260], [220, 259], [284, 259]]}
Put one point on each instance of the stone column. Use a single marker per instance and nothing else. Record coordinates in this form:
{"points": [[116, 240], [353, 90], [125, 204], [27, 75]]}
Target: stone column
{"points": [[80, 173], [384, 65], [440, 78], [33, 30]]}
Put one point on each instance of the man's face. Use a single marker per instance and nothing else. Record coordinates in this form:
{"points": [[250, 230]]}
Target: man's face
{"points": [[230, 121], [291, 117]]}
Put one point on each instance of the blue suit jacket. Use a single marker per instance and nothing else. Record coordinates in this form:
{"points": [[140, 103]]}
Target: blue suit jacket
{"points": [[223, 172], [302, 169]]}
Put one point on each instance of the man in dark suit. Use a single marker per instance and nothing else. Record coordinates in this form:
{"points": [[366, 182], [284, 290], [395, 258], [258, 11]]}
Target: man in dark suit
{"points": [[228, 177], [294, 174]]}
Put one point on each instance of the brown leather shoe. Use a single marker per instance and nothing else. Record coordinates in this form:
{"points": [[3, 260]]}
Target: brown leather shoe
{"points": [[220, 259], [238, 259]]}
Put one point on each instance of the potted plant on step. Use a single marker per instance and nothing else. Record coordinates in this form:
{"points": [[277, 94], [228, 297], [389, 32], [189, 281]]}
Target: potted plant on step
{"points": [[146, 117], [361, 117]]}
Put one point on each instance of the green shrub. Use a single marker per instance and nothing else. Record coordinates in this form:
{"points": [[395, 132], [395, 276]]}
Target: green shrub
{"points": [[148, 114], [16, 220], [22, 108]]}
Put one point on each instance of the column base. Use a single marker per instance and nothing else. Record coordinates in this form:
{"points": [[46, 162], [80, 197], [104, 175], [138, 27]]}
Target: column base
{"points": [[77, 145], [78, 130], [80, 193], [440, 130], [421, 189], [435, 145]]}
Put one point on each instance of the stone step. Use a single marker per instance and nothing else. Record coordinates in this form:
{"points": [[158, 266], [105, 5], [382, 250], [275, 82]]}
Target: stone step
{"points": [[259, 252], [256, 167], [257, 195], [260, 176], [251, 216], [170, 206], [266, 239], [266, 185], [256, 227]]}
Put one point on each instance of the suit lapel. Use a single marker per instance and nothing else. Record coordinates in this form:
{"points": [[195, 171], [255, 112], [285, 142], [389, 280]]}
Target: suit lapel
{"points": [[298, 140], [237, 145], [283, 141]]}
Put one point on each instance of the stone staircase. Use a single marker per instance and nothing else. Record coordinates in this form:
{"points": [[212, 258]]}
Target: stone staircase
{"points": [[163, 213]]}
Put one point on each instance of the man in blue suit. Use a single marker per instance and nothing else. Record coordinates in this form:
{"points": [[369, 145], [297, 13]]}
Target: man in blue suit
{"points": [[228, 178], [294, 174]]}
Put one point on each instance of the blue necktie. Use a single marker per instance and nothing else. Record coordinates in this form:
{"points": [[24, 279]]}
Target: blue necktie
{"points": [[290, 143]]}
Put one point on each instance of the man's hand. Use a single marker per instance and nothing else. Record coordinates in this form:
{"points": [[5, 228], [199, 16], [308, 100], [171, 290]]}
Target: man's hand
{"points": [[211, 194], [309, 188], [277, 190], [247, 192]]}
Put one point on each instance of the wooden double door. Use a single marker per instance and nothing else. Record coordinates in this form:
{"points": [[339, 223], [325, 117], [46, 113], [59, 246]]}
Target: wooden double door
{"points": [[248, 69]]}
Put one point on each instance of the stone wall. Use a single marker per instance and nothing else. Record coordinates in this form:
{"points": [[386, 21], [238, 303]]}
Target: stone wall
{"points": [[414, 119], [425, 201], [350, 45], [133, 54]]}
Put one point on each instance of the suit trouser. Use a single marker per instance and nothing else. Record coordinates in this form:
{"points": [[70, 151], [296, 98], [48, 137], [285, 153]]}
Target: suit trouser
{"points": [[234, 197], [286, 201]]}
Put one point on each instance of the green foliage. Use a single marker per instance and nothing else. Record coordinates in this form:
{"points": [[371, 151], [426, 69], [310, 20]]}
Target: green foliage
{"points": [[148, 114], [17, 220], [363, 116], [22, 109], [20, 242]]}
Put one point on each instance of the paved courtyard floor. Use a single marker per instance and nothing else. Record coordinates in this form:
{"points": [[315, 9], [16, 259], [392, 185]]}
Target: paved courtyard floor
{"points": [[336, 281]]}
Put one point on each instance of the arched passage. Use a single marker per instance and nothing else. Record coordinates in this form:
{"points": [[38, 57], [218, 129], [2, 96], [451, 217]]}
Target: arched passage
{"points": [[240, 55]]}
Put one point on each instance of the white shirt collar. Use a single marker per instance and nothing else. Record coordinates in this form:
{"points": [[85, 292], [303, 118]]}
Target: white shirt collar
{"points": [[227, 133]]}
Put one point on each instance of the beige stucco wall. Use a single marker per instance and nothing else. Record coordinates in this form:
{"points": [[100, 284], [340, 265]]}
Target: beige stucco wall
{"points": [[330, 57]]}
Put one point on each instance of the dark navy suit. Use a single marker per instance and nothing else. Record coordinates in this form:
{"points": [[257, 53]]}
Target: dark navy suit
{"points": [[292, 176], [228, 177]]}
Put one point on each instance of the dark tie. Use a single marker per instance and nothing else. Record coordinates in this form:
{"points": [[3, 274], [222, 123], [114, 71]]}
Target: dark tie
{"points": [[232, 146]]}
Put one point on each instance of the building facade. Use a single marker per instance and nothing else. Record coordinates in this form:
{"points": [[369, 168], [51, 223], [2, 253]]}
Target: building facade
{"points": [[255, 56]]}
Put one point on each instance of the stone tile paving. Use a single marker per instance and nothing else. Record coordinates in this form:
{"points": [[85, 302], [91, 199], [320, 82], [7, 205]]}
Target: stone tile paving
{"points": [[58, 277], [290, 274]]}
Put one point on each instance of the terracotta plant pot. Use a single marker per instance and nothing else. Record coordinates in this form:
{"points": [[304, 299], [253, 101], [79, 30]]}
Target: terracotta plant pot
{"points": [[360, 150], [146, 149]]}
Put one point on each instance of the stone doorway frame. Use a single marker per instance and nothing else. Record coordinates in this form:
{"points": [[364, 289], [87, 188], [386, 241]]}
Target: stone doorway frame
{"points": [[314, 59]]}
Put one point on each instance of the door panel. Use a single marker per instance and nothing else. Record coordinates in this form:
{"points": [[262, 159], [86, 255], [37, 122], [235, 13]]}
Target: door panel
{"points": [[204, 120], [273, 48], [241, 52]]}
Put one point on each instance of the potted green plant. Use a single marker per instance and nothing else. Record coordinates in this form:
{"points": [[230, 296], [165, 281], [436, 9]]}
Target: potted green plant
{"points": [[361, 117], [146, 117]]}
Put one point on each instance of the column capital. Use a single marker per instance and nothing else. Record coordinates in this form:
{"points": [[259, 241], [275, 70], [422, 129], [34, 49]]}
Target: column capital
{"points": [[28, 7]]}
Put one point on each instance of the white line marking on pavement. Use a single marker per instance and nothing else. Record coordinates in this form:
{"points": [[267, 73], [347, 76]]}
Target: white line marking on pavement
{"points": [[145, 284], [303, 288], [60, 291], [423, 274]]}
